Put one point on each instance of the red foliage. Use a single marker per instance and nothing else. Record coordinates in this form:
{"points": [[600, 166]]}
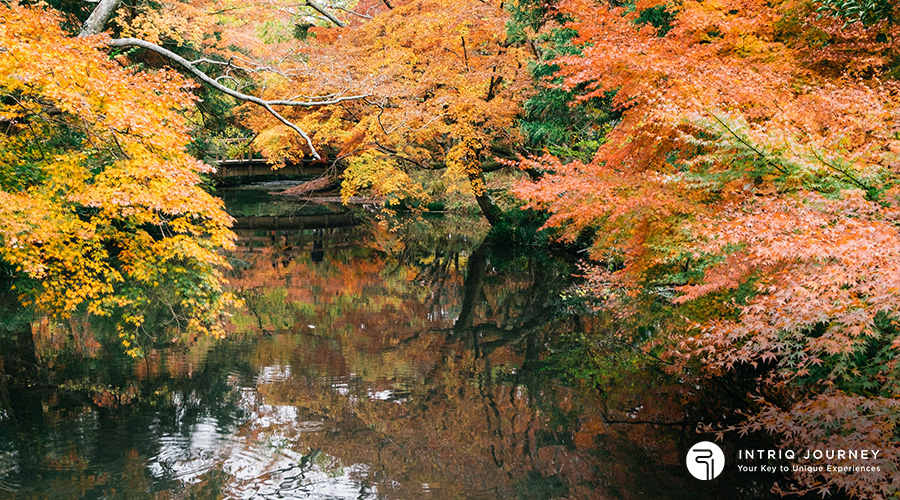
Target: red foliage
{"points": [[753, 173]]}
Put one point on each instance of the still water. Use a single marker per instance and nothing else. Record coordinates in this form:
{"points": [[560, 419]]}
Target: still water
{"points": [[366, 363]]}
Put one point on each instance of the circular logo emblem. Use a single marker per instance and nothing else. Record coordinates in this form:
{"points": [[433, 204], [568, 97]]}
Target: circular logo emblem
{"points": [[705, 460]]}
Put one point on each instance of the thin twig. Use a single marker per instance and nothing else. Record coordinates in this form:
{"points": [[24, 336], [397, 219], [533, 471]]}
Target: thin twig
{"points": [[865, 188], [745, 143]]}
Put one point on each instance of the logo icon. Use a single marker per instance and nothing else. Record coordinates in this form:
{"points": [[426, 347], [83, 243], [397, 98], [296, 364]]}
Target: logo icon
{"points": [[705, 460]]}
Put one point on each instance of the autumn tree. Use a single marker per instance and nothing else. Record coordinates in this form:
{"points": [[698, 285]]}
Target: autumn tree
{"points": [[101, 208], [114, 177], [441, 89], [434, 102], [386, 90], [752, 184]]}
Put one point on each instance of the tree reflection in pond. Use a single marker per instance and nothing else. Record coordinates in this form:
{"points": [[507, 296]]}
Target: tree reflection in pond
{"points": [[365, 364]]}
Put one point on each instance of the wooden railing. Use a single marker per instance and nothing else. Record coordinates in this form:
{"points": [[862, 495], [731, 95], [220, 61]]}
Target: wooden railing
{"points": [[249, 163]]}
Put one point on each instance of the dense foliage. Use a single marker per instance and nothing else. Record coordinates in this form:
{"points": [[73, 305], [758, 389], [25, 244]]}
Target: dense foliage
{"points": [[101, 208], [440, 90], [753, 183], [732, 166]]}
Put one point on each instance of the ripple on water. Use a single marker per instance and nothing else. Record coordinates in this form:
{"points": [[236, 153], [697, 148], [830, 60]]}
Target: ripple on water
{"points": [[313, 482], [188, 456], [273, 374]]}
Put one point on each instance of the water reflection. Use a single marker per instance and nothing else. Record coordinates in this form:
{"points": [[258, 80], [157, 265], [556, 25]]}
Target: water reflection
{"points": [[366, 363]]}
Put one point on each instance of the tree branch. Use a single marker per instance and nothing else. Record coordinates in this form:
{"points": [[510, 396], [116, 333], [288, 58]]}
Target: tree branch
{"points": [[854, 180], [354, 13], [321, 10], [266, 104], [99, 17], [747, 144]]}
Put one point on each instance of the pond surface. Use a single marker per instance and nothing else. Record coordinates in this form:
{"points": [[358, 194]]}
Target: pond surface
{"points": [[366, 363]]}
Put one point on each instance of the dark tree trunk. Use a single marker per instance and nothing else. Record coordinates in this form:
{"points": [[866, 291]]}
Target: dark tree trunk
{"points": [[25, 347], [489, 209]]}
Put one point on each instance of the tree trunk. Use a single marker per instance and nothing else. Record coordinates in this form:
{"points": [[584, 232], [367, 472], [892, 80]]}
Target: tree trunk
{"points": [[490, 209]]}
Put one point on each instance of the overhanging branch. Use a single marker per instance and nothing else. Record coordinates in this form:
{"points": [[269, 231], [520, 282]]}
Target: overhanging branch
{"points": [[265, 104]]}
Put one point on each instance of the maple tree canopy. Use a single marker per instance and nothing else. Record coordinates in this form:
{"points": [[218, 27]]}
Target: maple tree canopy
{"points": [[753, 180], [100, 204]]}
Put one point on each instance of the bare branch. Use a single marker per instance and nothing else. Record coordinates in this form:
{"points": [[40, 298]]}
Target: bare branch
{"points": [[226, 77], [266, 104], [322, 10], [348, 11], [402, 124]]}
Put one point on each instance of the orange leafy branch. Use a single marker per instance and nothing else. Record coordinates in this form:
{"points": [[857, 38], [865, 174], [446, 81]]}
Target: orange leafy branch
{"points": [[109, 212], [755, 170]]}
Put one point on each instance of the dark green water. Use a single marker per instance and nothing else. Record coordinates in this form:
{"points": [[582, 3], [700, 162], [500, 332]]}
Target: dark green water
{"points": [[365, 364]]}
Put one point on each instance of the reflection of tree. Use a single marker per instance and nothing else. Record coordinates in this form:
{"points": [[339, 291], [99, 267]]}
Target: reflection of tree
{"points": [[100, 418], [412, 365], [410, 368], [425, 368], [511, 311], [15, 338]]}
